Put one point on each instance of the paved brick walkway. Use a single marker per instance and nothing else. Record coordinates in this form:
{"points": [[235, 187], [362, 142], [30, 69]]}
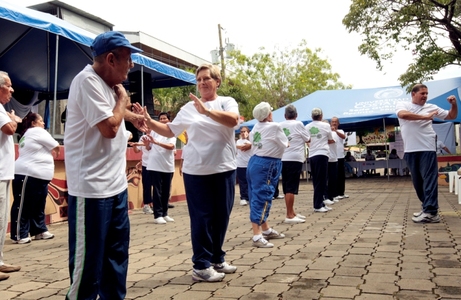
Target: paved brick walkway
{"points": [[366, 248]]}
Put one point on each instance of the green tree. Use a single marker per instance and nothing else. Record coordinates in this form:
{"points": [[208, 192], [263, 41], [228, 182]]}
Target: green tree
{"points": [[278, 78], [428, 28]]}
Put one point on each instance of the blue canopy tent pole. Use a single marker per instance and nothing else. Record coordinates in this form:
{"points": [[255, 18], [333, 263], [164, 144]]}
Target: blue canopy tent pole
{"points": [[55, 94]]}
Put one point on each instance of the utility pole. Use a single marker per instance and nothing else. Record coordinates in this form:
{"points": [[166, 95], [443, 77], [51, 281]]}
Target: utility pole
{"points": [[221, 54]]}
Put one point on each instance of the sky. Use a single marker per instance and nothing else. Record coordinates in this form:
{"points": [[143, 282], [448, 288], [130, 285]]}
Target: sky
{"points": [[251, 24]]}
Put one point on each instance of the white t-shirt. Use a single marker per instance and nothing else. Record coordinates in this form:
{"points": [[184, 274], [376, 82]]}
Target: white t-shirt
{"points": [[211, 145], [333, 155], [161, 159], [145, 152], [320, 133], [243, 156], [418, 135], [440, 146], [35, 157], [297, 137], [7, 154], [268, 140], [339, 142], [95, 165]]}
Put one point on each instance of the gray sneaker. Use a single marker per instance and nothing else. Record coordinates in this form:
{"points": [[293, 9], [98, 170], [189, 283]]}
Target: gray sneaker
{"points": [[426, 218], [208, 275], [274, 235], [262, 243]]}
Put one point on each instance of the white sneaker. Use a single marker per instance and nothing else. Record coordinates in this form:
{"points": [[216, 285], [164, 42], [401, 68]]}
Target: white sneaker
{"points": [[224, 267], [243, 202], [335, 200], [345, 196], [279, 197], [294, 220], [328, 201], [301, 216], [321, 210], [339, 197], [147, 209], [168, 219], [209, 275], [417, 214], [328, 208], [26, 240], [159, 220], [44, 236]]}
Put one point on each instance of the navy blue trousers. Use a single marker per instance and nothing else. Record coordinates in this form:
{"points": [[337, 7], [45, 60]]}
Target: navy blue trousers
{"points": [[146, 186], [161, 182], [424, 174], [99, 237], [243, 184], [28, 209], [319, 172], [210, 199], [332, 187]]}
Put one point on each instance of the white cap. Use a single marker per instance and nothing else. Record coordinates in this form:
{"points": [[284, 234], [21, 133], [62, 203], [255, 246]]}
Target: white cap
{"points": [[262, 111]]}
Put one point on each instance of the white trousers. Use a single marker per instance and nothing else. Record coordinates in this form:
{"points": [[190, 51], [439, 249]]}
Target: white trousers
{"points": [[4, 209]]}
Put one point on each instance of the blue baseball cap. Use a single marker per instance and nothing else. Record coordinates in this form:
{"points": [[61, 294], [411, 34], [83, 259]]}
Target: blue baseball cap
{"points": [[110, 40]]}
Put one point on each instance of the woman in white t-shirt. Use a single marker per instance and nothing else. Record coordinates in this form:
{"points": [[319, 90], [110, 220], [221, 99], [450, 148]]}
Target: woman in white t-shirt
{"points": [[208, 170], [243, 156], [34, 169]]}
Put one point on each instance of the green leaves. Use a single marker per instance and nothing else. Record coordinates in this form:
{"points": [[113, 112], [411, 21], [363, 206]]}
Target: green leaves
{"points": [[428, 28]]}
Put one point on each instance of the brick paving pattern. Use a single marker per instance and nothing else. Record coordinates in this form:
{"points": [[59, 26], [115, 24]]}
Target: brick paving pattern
{"points": [[367, 247]]}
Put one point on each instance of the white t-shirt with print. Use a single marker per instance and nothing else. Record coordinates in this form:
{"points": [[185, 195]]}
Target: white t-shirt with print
{"points": [[297, 137], [7, 154], [95, 165], [161, 159], [211, 146], [268, 140], [35, 157], [320, 133], [243, 156], [418, 135]]}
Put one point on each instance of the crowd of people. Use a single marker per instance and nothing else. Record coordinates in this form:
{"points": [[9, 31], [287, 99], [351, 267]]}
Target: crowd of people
{"points": [[96, 139]]}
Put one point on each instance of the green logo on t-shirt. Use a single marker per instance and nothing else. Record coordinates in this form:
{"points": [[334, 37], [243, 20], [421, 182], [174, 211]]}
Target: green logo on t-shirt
{"points": [[257, 139]]}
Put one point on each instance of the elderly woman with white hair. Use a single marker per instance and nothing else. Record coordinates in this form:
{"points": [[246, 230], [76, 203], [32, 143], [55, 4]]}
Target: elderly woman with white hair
{"points": [[319, 150], [263, 172], [208, 170]]}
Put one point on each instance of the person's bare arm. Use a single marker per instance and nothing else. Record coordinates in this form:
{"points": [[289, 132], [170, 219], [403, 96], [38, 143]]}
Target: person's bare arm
{"points": [[446, 150], [168, 146], [10, 127], [156, 126], [406, 115], [453, 113], [226, 118]]}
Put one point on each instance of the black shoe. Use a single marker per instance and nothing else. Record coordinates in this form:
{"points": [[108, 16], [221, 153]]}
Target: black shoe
{"points": [[170, 206]]}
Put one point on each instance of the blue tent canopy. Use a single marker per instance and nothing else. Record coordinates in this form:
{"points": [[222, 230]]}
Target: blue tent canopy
{"points": [[29, 43], [358, 108]]}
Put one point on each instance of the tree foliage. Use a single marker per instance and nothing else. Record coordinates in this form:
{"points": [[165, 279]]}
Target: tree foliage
{"points": [[428, 28], [278, 78]]}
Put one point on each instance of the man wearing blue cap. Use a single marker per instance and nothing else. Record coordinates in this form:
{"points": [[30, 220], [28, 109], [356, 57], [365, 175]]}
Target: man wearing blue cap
{"points": [[95, 139]]}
